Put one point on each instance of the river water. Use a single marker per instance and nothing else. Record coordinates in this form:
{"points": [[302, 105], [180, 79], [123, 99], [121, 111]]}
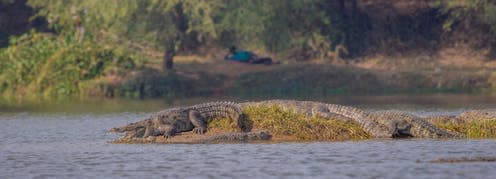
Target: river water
{"points": [[60, 140]]}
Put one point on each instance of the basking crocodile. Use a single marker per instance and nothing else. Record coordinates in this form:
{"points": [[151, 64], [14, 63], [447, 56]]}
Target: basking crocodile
{"points": [[403, 124], [382, 124], [169, 122], [334, 111], [481, 114], [464, 117]]}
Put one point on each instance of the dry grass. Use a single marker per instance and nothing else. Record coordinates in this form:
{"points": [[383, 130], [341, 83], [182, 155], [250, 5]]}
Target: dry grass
{"points": [[286, 125], [460, 57], [482, 128]]}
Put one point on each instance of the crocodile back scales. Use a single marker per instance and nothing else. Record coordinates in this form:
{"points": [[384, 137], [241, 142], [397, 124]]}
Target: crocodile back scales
{"points": [[311, 108]]}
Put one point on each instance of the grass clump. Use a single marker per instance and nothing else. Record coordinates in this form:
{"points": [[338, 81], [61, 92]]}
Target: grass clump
{"points": [[222, 124], [43, 65], [483, 128], [288, 125]]}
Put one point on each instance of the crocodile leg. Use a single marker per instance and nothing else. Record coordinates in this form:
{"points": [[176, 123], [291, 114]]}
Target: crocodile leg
{"points": [[149, 130], [198, 121], [167, 130]]}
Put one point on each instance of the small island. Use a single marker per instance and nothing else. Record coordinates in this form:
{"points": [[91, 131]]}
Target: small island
{"points": [[290, 120]]}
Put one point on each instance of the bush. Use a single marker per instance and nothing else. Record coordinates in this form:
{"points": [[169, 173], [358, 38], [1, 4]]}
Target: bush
{"points": [[38, 63]]}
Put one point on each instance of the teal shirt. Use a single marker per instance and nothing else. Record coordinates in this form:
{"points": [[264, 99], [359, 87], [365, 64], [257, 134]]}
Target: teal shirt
{"points": [[241, 56]]}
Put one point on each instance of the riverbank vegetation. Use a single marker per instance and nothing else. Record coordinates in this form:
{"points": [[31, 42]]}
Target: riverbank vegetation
{"points": [[46, 65], [117, 48]]}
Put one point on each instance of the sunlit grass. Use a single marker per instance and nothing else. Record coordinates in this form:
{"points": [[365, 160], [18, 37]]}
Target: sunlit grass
{"points": [[291, 125], [482, 128]]}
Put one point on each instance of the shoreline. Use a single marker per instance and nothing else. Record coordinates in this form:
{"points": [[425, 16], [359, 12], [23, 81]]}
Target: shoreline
{"points": [[274, 124], [279, 80]]}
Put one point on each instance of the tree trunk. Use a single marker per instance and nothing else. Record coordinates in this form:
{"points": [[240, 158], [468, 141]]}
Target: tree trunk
{"points": [[168, 59], [342, 9], [354, 9]]}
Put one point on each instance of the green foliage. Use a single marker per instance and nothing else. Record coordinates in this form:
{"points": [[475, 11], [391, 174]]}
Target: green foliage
{"points": [[155, 23], [91, 36], [482, 11], [151, 22], [279, 25], [37, 63], [95, 16], [313, 28]]}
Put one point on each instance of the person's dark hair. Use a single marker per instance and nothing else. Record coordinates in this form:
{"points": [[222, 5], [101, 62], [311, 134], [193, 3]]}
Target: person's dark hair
{"points": [[232, 49]]}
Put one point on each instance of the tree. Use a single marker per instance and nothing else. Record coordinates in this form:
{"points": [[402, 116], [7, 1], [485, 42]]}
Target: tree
{"points": [[483, 11], [176, 26], [179, 19]]}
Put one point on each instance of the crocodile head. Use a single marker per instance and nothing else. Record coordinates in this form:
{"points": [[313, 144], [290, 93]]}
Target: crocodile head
{"points": [[400, 128], [136, 133]]}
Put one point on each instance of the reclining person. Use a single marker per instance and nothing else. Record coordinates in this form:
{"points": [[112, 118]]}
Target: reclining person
{"points": [[246, 57]]}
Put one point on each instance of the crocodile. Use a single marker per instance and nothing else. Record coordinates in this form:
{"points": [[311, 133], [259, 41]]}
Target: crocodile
{"points": [[329, 111], [403, 124], [194, 118], [464, 117], [380, 124], [481, 114]]}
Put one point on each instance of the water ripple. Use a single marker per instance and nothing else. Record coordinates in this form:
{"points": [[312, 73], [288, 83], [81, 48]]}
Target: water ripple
{"points": [[69, 146]]}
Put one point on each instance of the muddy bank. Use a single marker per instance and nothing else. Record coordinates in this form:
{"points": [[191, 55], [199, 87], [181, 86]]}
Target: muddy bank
{"points": [[208, 138], [242, 79]]}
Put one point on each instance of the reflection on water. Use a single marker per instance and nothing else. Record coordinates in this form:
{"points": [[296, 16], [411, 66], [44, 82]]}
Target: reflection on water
{"points": [[413, 103], [70, 141]]}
